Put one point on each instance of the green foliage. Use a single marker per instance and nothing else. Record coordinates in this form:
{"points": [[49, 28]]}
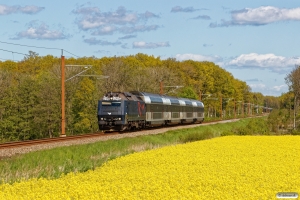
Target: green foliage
{"points": [[287, 100], [196, 136], [30, 90], [279, 120], [189, 93], [255, 126], [295, 132], [47, 109], [84, 109]]}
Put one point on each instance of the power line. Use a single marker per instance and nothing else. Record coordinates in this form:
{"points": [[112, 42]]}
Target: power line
{"points": [[29, 45], [38, 47], [9, 59], [14, 52], [70, 53]]}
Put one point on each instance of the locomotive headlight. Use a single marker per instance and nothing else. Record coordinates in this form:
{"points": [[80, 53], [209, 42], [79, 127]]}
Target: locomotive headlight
{"points": [[119, 118], [101, 118]]}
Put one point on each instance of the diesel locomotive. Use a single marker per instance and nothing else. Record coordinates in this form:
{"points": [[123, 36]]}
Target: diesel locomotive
{"points": [[120, 111]]}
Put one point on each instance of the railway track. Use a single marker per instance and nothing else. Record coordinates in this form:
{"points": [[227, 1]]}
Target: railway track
{"points": [[49, 140], [26, 143], [10, 145]]}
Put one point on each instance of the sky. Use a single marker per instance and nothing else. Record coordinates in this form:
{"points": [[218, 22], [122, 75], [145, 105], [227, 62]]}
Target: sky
{"points": [[256, 41]]}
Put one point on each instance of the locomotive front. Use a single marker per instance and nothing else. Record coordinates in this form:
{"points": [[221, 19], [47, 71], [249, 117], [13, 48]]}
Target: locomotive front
{"points": [[111, 114]]}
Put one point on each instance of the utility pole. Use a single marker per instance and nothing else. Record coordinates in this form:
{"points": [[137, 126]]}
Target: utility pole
{"points": [[221, 111], [200, 95], [161, 88], [243, 109], [63, 80], [63, 118], [234, 109], [161, 92], [295, 102], [249, 109]]}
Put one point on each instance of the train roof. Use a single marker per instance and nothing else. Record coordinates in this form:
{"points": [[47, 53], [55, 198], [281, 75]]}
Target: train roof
{"points": [[118, 96], [151, 98]]}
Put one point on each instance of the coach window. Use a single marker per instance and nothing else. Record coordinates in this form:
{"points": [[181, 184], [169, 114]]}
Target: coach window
{"points": [[149, 107]]}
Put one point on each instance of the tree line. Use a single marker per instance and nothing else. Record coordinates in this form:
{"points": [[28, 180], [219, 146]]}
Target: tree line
{"points": [[30, 90], [286, 118]]}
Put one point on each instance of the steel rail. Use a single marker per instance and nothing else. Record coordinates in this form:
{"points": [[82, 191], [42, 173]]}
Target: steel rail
{"points": [[48, 140], [82, 136]]}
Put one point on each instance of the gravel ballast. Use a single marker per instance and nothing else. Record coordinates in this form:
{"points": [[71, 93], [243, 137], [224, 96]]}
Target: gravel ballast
{"points": [[8, 152]]}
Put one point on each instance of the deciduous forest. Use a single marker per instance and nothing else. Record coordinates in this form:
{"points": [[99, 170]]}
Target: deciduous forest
{"points": [[30, 91]]}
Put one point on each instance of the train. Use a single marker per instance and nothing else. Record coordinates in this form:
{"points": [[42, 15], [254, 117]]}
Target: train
{"points": [[121, 111]]}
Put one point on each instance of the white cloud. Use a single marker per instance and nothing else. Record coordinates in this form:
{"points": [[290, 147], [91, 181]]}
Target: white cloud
{"points": [[6, 10], [260, 16], [41, 31], [265, 15], [108, 30], [280, 88], [253, 80], [89, 24], [181, 9], [148, 14], [86, 10], [145, 45], [258, 86], [93, 18], [96, 18], [138, 28], [269, 90], [94, 41], [198, 57], [105, 30], [264, 61], [30, 9], [98, 23], [127, 37], [204, 17]]}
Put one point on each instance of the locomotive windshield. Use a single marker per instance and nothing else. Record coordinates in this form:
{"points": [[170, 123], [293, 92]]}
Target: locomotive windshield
{"points": [[111, 103]]}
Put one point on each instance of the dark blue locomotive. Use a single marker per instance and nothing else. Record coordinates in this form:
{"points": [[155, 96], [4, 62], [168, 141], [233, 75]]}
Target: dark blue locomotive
{"points": [[134, 110]]}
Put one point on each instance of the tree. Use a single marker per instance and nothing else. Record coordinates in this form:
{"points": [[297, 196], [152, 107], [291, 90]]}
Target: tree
{"points": [[26, 104], [85, 107], [293, 82], [5, 84], [30, 64], [119, 75], [189, 93], [47, 118], [30, 90]]}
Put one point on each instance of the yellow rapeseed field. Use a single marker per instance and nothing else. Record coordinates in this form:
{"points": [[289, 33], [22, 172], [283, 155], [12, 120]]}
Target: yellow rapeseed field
{"points": [[232, 167]]}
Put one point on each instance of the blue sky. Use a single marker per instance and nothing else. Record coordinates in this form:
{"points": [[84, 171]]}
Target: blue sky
{"points": [[257, 41]]}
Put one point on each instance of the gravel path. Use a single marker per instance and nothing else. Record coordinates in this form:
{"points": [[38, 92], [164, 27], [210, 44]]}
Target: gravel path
{"points": [[21, 150]]}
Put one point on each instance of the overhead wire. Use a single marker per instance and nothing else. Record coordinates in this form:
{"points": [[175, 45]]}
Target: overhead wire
{"points": [[8, 59], [34, 47], [14, 52], [29, 45], [70, 53]]}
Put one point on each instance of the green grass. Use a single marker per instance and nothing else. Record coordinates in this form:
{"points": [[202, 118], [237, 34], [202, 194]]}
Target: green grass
{"points": [[53, 163]]}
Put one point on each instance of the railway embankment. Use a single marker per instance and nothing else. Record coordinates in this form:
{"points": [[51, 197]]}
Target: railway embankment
{"points": [[54, 159]]}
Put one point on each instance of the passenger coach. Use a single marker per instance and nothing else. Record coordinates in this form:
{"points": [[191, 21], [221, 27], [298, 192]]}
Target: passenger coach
{"points": [[132, 110]]}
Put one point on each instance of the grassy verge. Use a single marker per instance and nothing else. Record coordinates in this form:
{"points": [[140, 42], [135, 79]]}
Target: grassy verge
{"points": [[62, 160]]}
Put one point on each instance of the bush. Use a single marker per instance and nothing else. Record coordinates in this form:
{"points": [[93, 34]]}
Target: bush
{"points": [[226, 133], [256, 126], [295, 132], [278, 120], [195, 136]]}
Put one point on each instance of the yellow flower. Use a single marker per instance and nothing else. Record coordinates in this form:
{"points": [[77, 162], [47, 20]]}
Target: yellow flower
{"points": [[232, 167]]}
